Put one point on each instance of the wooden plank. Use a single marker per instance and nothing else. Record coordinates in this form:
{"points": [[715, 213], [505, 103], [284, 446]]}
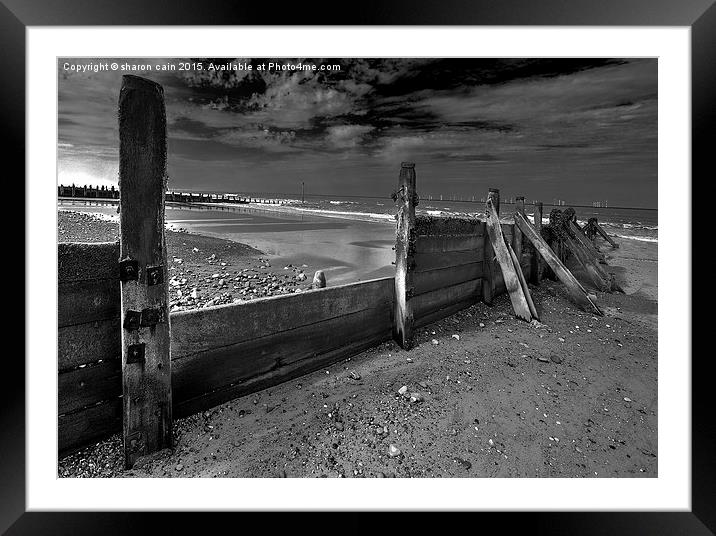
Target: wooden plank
{"points": [[512, 284], [80, 302], [523, 282], [274, 377], [406, 235], [448, 243], [218, 368], [444, 312], [88, 343], [445, 277], [85, 427], [214, 327], [444, 297], [88, 385], [425, 262], [604, 234], [147, 413], [576, 291], [87, 262]]}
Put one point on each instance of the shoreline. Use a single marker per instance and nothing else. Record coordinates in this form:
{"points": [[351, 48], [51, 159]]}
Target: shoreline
{"points": [[291, 208]]}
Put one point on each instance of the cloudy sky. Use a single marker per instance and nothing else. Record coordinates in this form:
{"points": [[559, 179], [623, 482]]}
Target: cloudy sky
{"points": [[575, 129]]}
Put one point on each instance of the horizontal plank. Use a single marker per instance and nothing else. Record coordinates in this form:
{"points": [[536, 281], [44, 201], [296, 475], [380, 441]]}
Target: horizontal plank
{"points": [[82, 428], [451, 309], [220, 367], [438, 299], [445, 277], [85, 262], [447, 243], [183, 408], [424, 262], [88, 385], [80, 302], [87, 343], [216, 327], [436, 225]]}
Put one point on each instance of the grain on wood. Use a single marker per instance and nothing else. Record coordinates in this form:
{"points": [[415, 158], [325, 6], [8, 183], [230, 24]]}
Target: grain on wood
{"points": [[215, 327], [88, 385], [425, 262], [81, 344], [81, 302], [490, 269], [512, 284], [438, 299], [523, 282], [445, 277], [81, 428], [282, 374], [406, 234], [142, 184], [220, 367]]}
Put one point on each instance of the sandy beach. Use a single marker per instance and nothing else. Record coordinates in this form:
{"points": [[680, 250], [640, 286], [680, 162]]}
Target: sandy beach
{"points": [[573, 396]]}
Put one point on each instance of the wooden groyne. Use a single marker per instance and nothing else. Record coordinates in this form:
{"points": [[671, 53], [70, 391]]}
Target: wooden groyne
{"points": [[127, 365]]}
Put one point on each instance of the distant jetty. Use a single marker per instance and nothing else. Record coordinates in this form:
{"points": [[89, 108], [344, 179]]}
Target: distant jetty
{"points": [[102, 192]]}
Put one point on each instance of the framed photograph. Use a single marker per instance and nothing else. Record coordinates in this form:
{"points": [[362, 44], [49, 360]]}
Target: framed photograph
{"points": [[409, 261]]}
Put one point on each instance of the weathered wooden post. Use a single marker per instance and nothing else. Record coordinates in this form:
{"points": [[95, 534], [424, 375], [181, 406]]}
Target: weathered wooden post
{"points": [[538, 215], [517, 234], [406, 198], [146, 370], [537, 267], [489, 267]]}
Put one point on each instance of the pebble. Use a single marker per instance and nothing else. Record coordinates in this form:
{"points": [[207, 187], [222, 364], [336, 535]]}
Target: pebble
{"points": [[543, 359], [435, 341], [354, 375], [393, 451], [556, 359], [456, 337], [179, 467]]}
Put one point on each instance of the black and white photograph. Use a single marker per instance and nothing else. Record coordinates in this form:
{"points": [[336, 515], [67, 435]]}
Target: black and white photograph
{"points": [[352, 267]]}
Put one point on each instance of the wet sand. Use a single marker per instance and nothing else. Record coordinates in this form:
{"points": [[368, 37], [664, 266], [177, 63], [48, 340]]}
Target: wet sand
{"points": [[347, 250]]}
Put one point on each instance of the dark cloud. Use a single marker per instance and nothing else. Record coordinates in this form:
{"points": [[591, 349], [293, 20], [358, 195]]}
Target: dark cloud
{"points": [[532, 126]]}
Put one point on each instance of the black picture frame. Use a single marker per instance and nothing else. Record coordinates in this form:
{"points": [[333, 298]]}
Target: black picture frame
{"points": [[699, 15]]}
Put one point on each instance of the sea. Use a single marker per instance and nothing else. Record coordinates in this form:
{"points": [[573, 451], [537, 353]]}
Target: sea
{"points": [[623, 222], [639, 224]]}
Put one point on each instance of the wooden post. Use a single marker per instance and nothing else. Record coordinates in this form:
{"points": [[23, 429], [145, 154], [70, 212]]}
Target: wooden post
{"points": [[506, 264], [538, 215], [537, 265], [517, 234], [406, 197], [146, 370], [489, 268]]}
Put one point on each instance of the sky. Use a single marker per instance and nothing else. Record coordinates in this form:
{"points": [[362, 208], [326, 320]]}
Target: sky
{"points": [[581, 130]]}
